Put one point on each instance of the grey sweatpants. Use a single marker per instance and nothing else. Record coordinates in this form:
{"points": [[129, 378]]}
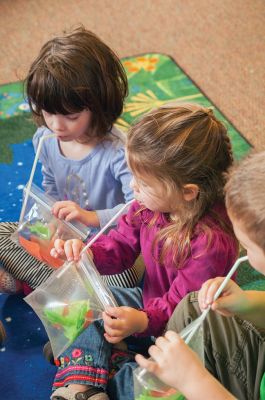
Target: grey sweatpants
{"points": [[234, 349]]}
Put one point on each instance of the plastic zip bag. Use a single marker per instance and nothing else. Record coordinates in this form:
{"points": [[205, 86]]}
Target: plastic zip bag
{"points": [[39, 228], [69, 301]]}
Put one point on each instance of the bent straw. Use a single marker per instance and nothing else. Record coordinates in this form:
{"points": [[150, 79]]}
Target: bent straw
{"points": [[188, 332], [94, 238], [28, 187]]}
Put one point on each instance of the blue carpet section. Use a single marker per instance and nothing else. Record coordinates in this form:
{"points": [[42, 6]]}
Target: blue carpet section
{"points": [[13, 178], [25, 374]]}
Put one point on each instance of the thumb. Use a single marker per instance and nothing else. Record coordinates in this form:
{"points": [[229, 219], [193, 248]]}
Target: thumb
{"points": [[223, 303], [114, 312]]}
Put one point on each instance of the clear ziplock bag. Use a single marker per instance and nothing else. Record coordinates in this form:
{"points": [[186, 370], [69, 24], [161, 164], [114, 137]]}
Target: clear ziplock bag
{"points": [[71, 298], [148, 387], [39, 228]]}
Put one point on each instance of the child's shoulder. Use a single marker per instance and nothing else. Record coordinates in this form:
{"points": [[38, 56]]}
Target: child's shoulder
{"points": [[116, 137]]}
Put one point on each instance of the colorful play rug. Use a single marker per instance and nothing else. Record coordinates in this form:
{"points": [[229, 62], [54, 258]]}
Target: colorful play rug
{"points": [[154, 79]]}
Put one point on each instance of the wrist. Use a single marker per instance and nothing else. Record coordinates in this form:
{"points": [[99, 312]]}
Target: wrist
{"points": [[91, 219], [143, 322]]}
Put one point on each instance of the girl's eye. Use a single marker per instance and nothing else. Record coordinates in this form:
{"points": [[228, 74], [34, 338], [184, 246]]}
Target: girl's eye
{"points": [[72, 117]]}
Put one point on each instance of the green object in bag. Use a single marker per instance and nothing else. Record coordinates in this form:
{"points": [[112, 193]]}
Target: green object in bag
{"points": [[41, 230], [72, 318]]}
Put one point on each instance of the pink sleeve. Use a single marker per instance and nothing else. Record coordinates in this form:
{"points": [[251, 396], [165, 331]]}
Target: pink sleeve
{"points": [[118, 250], [204, 263]]}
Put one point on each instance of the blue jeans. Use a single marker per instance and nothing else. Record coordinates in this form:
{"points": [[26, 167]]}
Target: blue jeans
{"points": [[88, 360]]}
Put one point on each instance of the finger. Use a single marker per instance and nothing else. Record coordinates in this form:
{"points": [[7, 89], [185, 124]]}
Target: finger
{"points": [[111, 322], [212, 289], [73, 214], [223, 306], [69, 250], [207, 292], [113, 340], [77, 247], [203, 294], [150, 365], [57, 207], [72, 249], [63, 212], [115, 312], [59, 246], [54, 253], [113, 327], [161, 342], [155, 352], [172, 337]]}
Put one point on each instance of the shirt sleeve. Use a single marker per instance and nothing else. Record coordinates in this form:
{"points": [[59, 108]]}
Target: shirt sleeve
{"points": [[205, 262], [48, 179], [118, 250], [122, 175]]}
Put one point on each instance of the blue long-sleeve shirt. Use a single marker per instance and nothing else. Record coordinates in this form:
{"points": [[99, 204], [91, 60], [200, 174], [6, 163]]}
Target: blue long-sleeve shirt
{"points": [[100, 181]]}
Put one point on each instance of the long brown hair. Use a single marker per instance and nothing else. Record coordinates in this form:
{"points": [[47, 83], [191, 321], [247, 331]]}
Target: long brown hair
{"points": [[182, 144], [77, 71]]}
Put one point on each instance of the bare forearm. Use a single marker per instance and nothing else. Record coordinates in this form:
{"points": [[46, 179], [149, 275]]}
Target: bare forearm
{"points": [[208, 388]]}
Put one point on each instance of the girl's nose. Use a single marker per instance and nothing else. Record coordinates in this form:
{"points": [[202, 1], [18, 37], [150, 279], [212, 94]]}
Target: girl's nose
{"points": [[57, 123]]}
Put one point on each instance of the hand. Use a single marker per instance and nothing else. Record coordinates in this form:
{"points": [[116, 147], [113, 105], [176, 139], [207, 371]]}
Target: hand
{"points": [[69, 210], [174, 363], [233, 299], [69, 249], [121, 322], [170, 359]]}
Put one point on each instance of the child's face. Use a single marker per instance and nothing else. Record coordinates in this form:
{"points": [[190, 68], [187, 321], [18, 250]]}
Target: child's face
{"points": [[255, 253], [153, 195], [69, 127]]}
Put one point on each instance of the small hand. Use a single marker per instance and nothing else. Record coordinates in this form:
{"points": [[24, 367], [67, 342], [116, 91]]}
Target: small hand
{"points": [[69, 210], [231, 300], [69, 249], [169, 355], [121, 322], [174, 363]]}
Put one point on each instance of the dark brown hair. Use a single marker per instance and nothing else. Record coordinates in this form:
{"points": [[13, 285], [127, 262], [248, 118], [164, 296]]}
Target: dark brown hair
{"points": [[182, 144], [245, 196], [74, 72]]}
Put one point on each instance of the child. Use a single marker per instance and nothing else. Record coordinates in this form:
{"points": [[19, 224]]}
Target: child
{"points": [[75, 88], [234, 346], [178, 154]]}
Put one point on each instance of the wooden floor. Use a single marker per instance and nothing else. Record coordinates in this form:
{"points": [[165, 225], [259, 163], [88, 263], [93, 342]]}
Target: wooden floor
{"points": [[219, 43]]}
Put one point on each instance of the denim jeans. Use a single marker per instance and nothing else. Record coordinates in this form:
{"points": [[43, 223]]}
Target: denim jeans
{"points": [[87, 361], [234, 349]]}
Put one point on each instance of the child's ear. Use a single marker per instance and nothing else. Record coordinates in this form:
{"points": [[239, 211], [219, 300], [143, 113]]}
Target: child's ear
{"points": [[190, 191]]}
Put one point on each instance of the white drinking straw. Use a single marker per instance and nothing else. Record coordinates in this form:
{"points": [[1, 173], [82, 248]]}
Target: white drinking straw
{"points": [[94, 238], [28, 187]]}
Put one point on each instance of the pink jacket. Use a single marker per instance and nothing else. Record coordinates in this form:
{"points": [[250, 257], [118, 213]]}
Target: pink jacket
{"points": [[164, 285]]}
